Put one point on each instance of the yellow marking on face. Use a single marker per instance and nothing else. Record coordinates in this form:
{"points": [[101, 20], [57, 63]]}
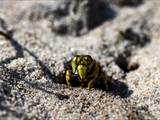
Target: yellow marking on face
{"points": [[82, 71]]}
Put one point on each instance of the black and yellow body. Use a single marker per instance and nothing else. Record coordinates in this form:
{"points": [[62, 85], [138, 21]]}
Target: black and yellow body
{"points": [[88, 72]]}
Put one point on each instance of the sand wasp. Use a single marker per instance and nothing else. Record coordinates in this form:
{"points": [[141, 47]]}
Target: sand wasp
{"points": [[87, 71]]}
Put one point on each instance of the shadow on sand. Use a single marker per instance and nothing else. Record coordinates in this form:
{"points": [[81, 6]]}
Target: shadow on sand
{"points": [[115, 87]]}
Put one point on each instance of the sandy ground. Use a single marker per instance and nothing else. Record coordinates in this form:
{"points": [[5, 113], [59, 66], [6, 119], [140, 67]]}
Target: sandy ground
{"points": [[32, 58]]}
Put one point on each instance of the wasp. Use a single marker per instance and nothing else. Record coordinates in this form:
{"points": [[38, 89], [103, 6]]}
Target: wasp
{"points": [[87, 71]]}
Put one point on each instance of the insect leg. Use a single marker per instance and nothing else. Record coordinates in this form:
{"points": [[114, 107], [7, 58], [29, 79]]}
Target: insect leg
{"points": [[90, 84], [68, 77]]}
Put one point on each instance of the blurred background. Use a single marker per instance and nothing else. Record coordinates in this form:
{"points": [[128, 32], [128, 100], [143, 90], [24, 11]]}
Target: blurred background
{"points": [[38, 37]]}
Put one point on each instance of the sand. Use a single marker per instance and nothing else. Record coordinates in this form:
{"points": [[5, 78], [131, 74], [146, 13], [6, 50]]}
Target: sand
{"points": [[33, 52]]}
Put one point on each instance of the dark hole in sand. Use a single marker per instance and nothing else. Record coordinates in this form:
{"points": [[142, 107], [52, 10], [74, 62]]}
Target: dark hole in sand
{"points": [[124, 63], [130, 3], [99, 13], [138, 39], [135, 40]]}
